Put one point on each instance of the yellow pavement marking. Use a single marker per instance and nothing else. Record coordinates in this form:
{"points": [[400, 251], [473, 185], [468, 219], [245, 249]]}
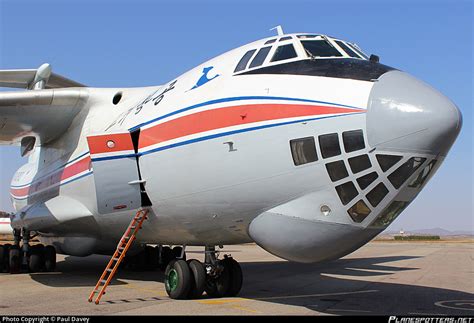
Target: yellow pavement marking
{"points": [[221, 301], [230, 301], [245, 309]]}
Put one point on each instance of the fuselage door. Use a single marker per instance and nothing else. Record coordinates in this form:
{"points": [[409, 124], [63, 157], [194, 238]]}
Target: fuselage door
{"points": [[116, 174]]}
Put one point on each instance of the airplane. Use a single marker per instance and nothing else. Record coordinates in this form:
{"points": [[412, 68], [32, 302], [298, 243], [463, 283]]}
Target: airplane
{"points": [[300, 143], [5, 224]]}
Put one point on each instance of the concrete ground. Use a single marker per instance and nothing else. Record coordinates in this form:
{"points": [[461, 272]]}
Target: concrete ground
{"points": [[410, 278]]}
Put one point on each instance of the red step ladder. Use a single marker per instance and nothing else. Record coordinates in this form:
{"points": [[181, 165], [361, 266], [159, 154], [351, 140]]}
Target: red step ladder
{"points": [[122, 248]]}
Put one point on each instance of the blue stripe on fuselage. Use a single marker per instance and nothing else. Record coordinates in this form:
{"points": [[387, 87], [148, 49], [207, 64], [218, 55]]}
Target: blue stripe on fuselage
{"points": [[239, 98]]}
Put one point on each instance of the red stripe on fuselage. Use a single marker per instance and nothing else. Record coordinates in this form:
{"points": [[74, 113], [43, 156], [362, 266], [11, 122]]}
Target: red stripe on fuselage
{"points": [[76, 168], [20, 191], [56, 177], [119, 142], [228, 117]]}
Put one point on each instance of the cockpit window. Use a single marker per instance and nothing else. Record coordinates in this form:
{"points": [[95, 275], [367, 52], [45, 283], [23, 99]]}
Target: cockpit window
{"points": [[244, 60], [303, 150], [260, 57], [285, 38], [284, 52], [390, 214], [358, 51], [307, 36], [402, 173], [271, 41], [421, 178], [346, 48], [320, 48]]}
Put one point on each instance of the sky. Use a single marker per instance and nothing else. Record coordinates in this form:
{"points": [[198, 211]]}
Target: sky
{"points": [[141, 43]]}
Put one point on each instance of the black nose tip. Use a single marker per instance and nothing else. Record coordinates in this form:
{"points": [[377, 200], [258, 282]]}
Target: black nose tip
{"points": [[409, 115]]}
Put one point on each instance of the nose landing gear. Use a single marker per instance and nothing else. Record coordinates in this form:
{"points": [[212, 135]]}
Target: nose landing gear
{"points": [[218, 278]]}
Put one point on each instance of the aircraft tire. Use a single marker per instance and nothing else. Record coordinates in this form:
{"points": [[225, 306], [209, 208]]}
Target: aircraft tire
{"points": [[218, 287], [36, 259], [236, 277], [14, 260], [49, 259], [178, 279], [198, 279]]}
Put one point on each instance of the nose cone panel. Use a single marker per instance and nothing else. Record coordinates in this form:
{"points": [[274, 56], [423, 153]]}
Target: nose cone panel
{"points": [[409, 115]]}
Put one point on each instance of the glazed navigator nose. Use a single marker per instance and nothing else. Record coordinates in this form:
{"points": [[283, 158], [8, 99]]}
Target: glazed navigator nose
{"points": [[406, 114]]}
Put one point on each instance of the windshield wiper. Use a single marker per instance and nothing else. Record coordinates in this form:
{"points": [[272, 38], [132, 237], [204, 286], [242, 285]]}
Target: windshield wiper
{"points": [[327, 41], [311, 56]]}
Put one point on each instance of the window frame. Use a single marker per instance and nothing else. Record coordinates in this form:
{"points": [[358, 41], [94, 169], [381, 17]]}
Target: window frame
{"points": [[248, 61], [355, 165], [329, 168], [419, 181], [358, 50], [360, 179], [320, 38], [285, 59], [348, 151], [351, 184], [290, 142], [358, 56], [321, 146], [373, 195], [285, 38], [391, 177], [266, 57], [357, 216]]}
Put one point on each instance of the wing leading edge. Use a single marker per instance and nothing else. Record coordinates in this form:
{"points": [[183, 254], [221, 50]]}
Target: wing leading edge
{"points": [[29, 79]]}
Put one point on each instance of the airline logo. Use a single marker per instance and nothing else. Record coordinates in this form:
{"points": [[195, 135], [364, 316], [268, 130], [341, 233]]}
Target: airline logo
{"points": [[204, 77]]}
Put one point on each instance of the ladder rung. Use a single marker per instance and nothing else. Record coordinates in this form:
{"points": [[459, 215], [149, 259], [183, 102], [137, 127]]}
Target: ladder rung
{"points": [[122, 246]]}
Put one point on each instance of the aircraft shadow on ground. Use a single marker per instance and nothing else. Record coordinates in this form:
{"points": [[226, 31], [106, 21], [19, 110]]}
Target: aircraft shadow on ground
{"points": [[340, 287]]}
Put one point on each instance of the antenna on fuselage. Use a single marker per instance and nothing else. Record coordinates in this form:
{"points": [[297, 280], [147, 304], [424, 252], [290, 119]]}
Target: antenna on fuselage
{"points": [[279, 30]]}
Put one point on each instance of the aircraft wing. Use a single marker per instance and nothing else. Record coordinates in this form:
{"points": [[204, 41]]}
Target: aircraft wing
{"points": [[25, 79], [44, 114]]}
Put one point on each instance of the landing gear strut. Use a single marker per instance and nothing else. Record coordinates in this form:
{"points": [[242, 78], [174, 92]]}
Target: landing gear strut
{"points": [[218, 278], [17, 257]]}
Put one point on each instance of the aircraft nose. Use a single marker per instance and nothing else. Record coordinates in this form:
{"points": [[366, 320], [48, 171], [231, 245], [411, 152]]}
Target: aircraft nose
{"points": [[406, 114]]}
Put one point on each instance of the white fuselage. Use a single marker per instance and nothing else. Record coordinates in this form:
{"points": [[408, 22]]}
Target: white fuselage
{"points": [[213, 156]]}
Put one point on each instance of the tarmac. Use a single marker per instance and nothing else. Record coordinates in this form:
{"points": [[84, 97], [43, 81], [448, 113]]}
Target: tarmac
{"points": [[384, 278]]}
